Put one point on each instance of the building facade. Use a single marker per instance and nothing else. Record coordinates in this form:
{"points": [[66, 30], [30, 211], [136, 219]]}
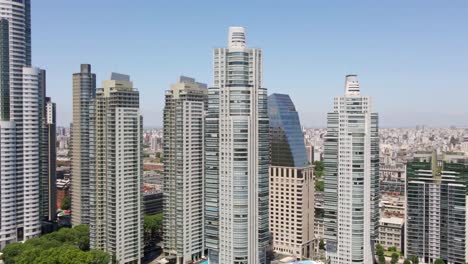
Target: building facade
{"points": [[391, 232], [291, 202], [436, 212], [184, 110], [82, 148], [116, 199], [236, 156], [48, 188], [351, 160], [20, 125]]}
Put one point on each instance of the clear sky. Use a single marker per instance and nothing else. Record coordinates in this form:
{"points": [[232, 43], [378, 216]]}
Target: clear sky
{"points": [[411, 56]]}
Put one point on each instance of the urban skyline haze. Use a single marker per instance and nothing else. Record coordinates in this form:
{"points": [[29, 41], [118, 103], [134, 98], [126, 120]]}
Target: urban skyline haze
{"points": [[412, 58]]}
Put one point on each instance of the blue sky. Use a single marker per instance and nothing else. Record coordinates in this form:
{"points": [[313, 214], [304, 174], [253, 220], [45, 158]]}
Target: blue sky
{"points": [[411, 56]]}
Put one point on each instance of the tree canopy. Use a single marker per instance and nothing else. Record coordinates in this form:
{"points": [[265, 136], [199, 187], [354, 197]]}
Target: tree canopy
{"points": [[319, 168], [65, 205], [439, 261], [65, 246], [319, 185]]}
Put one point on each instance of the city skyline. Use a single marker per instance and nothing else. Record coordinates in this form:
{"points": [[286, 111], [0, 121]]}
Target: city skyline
{"points": [[407, 49]]}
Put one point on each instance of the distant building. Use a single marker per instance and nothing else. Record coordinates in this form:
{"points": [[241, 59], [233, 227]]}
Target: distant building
{"points": [[310, 153], [437, 201], [63, 190], [292, 185], [351, 160], [186, 103], [116, 224], [153, 202], [391, 231]]}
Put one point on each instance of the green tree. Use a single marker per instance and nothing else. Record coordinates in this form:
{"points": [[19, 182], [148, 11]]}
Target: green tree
{"points": [[65, 205], [439, 261], [379, 250], [319, 168], [152, 226], [395, 257], [382, 259], [414, 259], [322, 244], [407, 261], [392, 249], [319, 185], [65, 246]]}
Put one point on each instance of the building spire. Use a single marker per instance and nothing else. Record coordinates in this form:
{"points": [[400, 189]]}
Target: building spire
{"points": [[352, 85], [236, 37]]}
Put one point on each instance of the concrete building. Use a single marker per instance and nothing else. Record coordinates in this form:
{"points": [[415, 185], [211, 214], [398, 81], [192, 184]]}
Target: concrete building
{"points": [[391, 230], [116, 195], [291, 202], [236, 156], [184, 110], [82, 148], [437, 207], [351, 160]]}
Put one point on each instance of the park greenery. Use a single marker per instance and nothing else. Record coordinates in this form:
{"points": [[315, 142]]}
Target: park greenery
{"points": [[65, 246], [152, 227]]}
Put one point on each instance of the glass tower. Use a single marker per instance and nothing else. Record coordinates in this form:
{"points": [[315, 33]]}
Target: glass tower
{"points": [[287, 146], [351, 194], [291, 182], [236, 154]]}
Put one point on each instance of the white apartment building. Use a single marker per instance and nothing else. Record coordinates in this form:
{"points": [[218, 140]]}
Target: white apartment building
{"points": [[116, 198], [351, 177], [20, 125], [237, 156], [184, 110]]}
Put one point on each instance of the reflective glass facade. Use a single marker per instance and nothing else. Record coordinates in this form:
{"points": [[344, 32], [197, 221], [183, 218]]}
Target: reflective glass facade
{"points": [[287, 146]]}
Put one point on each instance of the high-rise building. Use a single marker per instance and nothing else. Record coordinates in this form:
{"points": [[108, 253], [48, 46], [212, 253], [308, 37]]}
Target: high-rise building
{"points": [[351, 160], [236, 156], [291, 182], [82, 148], [19, 125], [48, 155], [48, 139], [186, 103], [436, 212], [116, 199]]}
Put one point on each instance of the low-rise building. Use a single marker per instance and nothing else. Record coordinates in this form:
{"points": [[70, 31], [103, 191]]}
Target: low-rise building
{"points": [[391, 232]]}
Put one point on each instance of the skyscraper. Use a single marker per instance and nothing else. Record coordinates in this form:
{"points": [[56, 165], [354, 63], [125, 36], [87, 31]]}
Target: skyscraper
{"points": [[82, 148], [186, 102], [351, 160], [436, 211], [236, 156], [48, 156], [291, 181], [116, 199], [20, 125]]}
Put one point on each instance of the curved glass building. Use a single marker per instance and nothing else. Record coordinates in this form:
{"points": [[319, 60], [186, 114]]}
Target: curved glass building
{"points": [[287, 146], [291, 182]]}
